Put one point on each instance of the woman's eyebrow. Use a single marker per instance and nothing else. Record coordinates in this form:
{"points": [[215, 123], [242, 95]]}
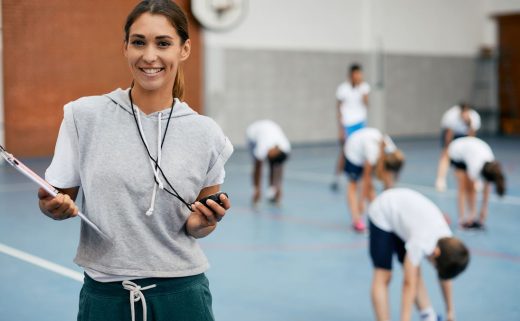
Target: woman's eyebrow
{"points": [[157, 37]]}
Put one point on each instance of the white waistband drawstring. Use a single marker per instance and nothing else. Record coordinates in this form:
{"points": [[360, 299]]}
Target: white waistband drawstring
{"points": [[155, 171], [136, 295]]}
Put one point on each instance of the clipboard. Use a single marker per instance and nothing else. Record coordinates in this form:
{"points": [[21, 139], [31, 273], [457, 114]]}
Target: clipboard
{"points": [[13, 161]]}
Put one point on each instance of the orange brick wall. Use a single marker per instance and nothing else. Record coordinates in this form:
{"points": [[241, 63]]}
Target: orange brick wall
{"points": [[56, 51]]}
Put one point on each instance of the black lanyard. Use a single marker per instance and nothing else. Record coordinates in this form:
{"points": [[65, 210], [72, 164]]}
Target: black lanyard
{"points": [[157, 167]]}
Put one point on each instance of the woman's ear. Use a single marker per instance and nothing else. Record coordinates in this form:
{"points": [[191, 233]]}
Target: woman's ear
{"points": [[186, 50]]}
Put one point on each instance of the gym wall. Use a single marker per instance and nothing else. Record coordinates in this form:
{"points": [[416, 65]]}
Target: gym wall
{"points": [[56, 51], [286, 59]]}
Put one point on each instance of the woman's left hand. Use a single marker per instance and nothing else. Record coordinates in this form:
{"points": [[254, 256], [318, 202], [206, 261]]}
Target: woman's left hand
{"points": [[203, 220]]}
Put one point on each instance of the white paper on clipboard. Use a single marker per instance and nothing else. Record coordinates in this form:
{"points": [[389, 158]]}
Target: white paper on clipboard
{"points": [[13, 161]]}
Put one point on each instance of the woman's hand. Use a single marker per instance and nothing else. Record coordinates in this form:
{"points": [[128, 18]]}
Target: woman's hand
{"points": [[58, 208], [203, 220]]}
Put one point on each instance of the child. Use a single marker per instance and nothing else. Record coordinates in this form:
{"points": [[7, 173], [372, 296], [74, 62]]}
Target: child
{"points": [[473, 159], [458, 121], [366, 151], [267, 141], [352, 105], [404, 222]]}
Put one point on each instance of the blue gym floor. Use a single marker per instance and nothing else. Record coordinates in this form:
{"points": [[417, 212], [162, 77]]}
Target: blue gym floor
{"points": [[299, 262]]}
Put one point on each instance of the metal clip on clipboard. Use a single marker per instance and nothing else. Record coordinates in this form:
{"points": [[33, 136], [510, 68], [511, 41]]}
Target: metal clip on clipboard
{"points": [[13, 161]]}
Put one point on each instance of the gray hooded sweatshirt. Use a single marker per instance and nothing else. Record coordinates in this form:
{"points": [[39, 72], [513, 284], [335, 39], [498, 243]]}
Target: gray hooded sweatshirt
{"points": [[117, 180]]}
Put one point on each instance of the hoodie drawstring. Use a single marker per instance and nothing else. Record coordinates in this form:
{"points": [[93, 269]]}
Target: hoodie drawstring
{"points": [[154, 166]]}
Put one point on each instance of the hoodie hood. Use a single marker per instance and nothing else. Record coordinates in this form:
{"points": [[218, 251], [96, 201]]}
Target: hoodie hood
{"points": [[121, 98]]}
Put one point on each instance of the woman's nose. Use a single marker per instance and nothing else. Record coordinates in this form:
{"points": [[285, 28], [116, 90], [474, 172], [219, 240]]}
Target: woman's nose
{"points": [[149, 55]]}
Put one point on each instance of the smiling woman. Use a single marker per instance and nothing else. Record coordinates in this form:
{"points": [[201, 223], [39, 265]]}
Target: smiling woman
{"points": [[102, 147]]}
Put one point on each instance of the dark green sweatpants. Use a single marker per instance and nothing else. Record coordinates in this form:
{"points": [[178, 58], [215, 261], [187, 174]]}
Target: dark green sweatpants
{"points": [[173, 299]]}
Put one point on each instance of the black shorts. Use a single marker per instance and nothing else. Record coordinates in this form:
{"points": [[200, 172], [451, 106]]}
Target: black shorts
{"points": [[458, 165], [353, 171], [443, 137], [382, 247]]}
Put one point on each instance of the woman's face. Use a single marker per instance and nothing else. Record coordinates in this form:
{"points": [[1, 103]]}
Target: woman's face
{"points": [[154, 52]]}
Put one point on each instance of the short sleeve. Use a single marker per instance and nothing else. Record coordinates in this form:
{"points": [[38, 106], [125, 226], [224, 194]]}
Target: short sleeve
{"points": [[365, 88], [475, 121], [389, 144], [371, 152], [216, 172], [414, 252], [64, 169]]}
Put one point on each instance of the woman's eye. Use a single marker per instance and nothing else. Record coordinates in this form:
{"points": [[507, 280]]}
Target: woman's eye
{"points": [[164, 44], [137, 43]]}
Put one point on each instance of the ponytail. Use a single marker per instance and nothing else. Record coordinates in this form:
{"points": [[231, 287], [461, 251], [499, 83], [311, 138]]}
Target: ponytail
{"points": [[178, 85]]}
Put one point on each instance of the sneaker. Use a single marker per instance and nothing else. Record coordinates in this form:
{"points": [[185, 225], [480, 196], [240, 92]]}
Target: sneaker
{"points": [[477, 226], [465, 225], [359, 226]]}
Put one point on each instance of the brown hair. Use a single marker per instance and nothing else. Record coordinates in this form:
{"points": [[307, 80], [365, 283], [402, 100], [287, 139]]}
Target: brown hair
{"points": [[177, 18], [453, 258], [394, 161], [492, 172]]}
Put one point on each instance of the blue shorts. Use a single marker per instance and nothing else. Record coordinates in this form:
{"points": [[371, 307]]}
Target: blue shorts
{"points": [[382, 247], [349, 130], [353, 171], [443, 137]]}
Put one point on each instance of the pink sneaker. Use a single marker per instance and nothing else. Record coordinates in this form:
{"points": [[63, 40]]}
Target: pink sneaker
{"points": [[359, 226]]}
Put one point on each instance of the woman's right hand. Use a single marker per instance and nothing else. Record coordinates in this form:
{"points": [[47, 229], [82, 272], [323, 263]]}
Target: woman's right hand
{"points": [[58, 208]]}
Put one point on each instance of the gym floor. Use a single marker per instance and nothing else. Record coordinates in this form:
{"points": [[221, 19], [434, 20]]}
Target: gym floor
{"points": [[300, 261]]}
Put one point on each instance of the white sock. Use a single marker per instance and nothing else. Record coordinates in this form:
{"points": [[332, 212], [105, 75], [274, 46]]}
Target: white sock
{"points": [[428, 314]]}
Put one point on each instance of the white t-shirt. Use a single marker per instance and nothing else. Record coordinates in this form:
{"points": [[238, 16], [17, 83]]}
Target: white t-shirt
{"points": [[264, 135], [364, 145], [412, 217], [472, 151], [452, 120], [63, 171], [352, 108]]}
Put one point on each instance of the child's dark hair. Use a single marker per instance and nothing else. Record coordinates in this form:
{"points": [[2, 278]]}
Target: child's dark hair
{"points": [[453, 258], [463, 105], [492, 172], [394, 161], [355, 67]]}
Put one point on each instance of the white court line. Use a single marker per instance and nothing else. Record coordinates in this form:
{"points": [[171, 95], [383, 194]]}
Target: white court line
{"points": [[53, 267]]}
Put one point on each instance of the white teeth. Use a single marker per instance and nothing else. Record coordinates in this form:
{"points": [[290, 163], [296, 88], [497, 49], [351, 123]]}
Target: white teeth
{"points": [[151, 70]]}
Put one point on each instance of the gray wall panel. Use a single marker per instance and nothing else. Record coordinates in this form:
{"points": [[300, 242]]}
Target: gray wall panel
{"points": [[418, 89], [297, 90]]}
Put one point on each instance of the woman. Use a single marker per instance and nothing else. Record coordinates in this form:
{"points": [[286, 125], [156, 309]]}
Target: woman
{"points": [[473, 159], [142, 157]]}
